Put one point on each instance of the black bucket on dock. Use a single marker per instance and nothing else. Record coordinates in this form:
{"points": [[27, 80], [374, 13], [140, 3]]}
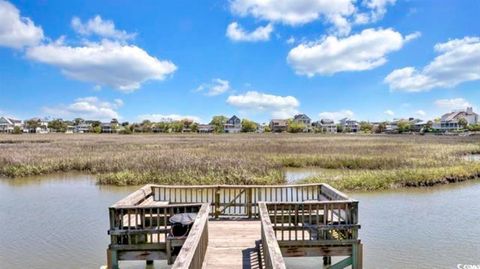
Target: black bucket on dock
{"points": [[181, 224]]}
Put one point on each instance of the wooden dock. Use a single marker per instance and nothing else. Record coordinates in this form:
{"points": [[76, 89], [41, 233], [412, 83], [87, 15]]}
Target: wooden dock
{"points": [[233, 244], [236, 226]]}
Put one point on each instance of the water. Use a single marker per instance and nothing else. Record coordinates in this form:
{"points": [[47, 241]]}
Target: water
{"points": [[473, 157], [61, 222], [56, 222]]}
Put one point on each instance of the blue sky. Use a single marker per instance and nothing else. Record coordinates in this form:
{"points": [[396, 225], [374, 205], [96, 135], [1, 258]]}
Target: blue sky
{"points": [[366, 59]]}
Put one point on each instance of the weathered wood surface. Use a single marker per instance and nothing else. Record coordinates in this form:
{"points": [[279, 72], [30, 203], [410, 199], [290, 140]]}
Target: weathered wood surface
{"points": [[193, 251], [272, 254], [233, 244]]}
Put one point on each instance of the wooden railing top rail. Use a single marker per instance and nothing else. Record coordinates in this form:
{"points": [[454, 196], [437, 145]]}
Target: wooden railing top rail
{"points": [[157, 206], [235, 186], [189, 249], [333, 193], [136, 197], [272, 253], [349, 201]]}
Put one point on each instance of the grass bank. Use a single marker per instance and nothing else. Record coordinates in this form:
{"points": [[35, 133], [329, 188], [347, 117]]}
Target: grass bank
{"points": [[359, 162]]}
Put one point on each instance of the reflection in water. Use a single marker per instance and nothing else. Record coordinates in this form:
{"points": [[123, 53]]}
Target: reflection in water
{"points": [[62, 221]]}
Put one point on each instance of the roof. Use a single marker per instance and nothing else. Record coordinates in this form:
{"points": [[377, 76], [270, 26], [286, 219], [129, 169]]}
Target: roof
{"points": [[326, 121], [279, 121], [233, 119], [300, 116]]}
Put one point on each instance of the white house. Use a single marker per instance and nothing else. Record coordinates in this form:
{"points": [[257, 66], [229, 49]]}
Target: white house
{"points": [[450, 121], [326, 126], [233, 125], [7, 125], [349, 125], [305, 120]]}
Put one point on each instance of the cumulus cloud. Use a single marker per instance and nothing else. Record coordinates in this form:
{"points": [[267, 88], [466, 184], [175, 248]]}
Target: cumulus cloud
{"points": [[341, 14], [277, 106], [336, 115], [167, 118], [458, 62], [88, 108], [16, 31], [378, 8], [124, 67], [295, 12], [215, 87], [452, 104], [363, 51], [236, 33], [100, 27], [389, 112]]}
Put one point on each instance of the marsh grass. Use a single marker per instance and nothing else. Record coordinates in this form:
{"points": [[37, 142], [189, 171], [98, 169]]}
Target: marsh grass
{"points": [[350, 162]]}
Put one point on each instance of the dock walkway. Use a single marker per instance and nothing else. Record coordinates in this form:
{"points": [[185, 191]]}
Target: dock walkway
{"points": [[233, 244]]}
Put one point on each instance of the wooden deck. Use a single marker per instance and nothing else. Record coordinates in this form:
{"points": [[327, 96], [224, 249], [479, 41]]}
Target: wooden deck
{"points": [[236, 226], [233, 244]]}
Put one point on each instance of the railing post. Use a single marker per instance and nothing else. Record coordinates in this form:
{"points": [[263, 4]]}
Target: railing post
{"points": [[248, 193], [217, 202], [112, 259]]}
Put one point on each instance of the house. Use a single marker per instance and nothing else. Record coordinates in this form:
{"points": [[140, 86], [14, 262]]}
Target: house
{"points": [[37, 126], [109, 127], [7, 125], [83, 128], [278, 126], [305, 120], [350, 126], [205, 128], [326, 126], [450, 121], [233, 125]]}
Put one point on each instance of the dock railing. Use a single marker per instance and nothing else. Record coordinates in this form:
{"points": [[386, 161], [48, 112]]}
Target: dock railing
{"points": [[272, 255], [193, 251], [318, 228], [235, 200]]}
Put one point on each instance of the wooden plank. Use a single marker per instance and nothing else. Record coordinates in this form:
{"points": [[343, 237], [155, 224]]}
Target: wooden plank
{"points": [[232, 244], [193, 250], [271, 251]]}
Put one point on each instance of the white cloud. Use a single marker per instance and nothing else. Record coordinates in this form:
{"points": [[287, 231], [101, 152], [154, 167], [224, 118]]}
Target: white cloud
{"points": [[389, 112], [420, 113], [339, 13], [378, 8], [336, 115], [277, 106], [124, 67], [452, 104], [363, 51], [295, 12], [458, 62], [216, 87], [90, 108], [236, 33], [100, 27], [291, 40], [16, 31], [167, 118]]}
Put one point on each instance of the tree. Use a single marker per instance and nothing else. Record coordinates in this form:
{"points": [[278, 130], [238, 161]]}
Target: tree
{"points": [[381, 128], [96, 129], [248, 126], [403, 126], [114, 121], [339, 128], [58, 126], [295, 127], [366, 127], [17, 130], [462, 122], [218, 122], [77, 121], [32, 124], [126, 123]]}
